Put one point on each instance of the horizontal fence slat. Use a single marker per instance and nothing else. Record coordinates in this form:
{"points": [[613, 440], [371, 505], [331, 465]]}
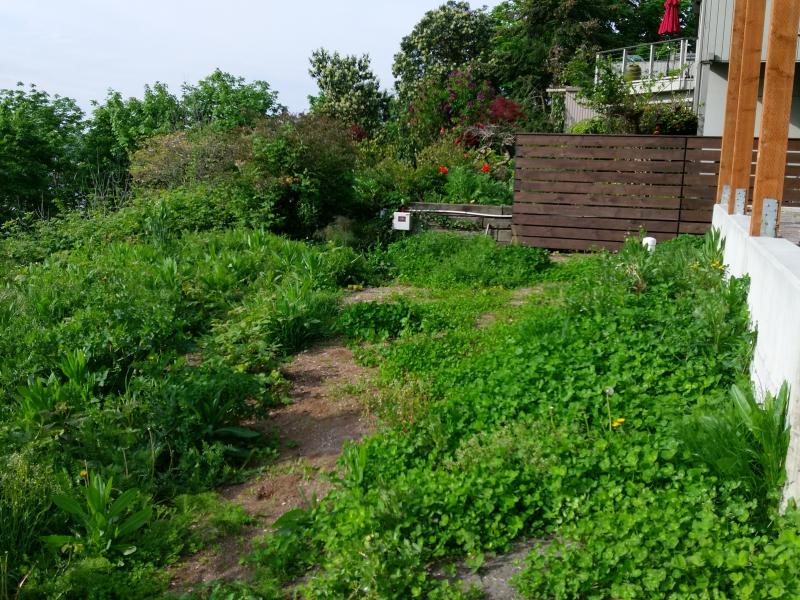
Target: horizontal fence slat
{"points": [[700, 180], [602, 177], [609, 141], [599, 187], [611, 212], [697, 215], [595, 200], [602, 223], [694, 228], [697, 203], [588, 233], [599, 164], [604, 153], [567, 244]]}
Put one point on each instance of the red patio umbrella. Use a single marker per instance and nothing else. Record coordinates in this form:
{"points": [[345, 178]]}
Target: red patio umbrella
{"points": [[671, 22]]}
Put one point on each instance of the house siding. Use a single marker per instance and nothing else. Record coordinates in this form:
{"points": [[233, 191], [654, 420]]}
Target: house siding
{"points": [[714, 43]]}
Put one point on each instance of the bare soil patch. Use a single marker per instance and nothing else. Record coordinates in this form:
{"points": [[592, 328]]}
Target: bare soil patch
{"points": [[325, 413], [518, 297], [380, 294]]}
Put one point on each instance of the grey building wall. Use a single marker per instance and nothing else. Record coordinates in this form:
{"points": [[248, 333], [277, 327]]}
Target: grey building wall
{"points": [[711, 107], [714, 33]]}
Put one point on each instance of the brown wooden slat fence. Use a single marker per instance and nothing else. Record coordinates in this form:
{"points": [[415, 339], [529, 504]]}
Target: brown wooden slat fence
{"points": [[575, 192]]}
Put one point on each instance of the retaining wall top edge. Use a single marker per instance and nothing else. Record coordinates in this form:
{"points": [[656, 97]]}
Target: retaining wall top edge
{"points": [[490, 209], [781, 253]]}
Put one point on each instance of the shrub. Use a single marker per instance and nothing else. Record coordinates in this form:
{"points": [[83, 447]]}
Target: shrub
{"points": [[305, 167], [205, 207], [436, 107], [389, 184], [429, 180], [471, 185], [673, 118], [185, 157], [593, 125], [276, 321], [447, 259]]}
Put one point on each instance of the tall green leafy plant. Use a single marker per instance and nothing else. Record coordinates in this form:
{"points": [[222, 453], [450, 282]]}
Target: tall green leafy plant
{"points": [[104, 524], [744, 441]]}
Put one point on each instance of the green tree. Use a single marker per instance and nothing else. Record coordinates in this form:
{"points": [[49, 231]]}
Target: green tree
{"points": [[348, 90], [450, 37], [118, 128], [535, 40], [40, 138], [227, 101], [638, 21]]}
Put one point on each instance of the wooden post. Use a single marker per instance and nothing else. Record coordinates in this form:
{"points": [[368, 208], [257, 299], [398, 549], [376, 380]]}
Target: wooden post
{"points": [[742, 164], [732, 99], [624, 61], [776, 108]]}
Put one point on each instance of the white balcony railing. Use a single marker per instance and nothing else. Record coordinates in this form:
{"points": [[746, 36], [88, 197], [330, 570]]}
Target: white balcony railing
{"points": [[658, 66]]}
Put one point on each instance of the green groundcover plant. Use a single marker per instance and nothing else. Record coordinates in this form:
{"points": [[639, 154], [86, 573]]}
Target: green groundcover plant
{"points": [[557, 415], [563, 424]]}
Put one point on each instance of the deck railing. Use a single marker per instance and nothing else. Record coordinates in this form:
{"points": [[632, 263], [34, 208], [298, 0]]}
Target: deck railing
{"points": [[673, 60]]}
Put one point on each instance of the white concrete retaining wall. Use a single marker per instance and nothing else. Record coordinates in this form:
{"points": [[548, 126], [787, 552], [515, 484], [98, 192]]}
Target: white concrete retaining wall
{"points": [[773, 265]]}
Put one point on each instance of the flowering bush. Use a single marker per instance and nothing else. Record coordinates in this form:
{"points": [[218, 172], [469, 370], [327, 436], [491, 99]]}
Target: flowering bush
{"points": [[471, 185], [464, 101]]}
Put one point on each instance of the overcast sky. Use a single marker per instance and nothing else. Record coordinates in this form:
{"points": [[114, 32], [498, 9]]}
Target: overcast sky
{"points": [[81, 48]]}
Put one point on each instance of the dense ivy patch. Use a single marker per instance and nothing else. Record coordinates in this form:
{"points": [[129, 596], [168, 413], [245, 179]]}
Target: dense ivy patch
{"points": [[561, 423]]}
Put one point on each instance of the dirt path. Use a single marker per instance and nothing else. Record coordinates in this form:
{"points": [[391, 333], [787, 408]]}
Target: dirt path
{"points": [[379, 294], [518, 297], [325, 412]]}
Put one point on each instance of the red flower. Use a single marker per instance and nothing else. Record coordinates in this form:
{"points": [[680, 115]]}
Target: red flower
{"points": [[486, 168], [443, 170]]}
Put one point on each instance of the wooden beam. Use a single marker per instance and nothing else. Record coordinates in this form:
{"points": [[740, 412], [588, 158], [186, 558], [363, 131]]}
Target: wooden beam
{"points": [[776, 107], [750, 75], [732, 99]]}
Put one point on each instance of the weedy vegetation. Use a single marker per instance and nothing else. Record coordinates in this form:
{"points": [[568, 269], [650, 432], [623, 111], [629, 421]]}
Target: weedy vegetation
{"points": [[605, 417]]}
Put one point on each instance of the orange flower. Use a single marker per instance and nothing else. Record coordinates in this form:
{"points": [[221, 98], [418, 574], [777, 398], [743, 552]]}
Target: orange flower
{"points": [[443, 170]]}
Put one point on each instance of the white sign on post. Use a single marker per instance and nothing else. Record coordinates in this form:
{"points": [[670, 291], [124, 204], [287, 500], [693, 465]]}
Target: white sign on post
{"points": [[401, 221]]}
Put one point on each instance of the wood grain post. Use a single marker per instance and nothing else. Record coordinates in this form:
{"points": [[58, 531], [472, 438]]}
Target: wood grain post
{"points": [[742, 164], [776, 108], [732, 99]]}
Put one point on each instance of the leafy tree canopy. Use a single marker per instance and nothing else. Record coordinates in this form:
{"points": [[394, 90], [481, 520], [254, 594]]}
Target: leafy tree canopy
{"points": [[447, 38], [119, 125], [227, 101], [349, 91], [40, 139]]}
